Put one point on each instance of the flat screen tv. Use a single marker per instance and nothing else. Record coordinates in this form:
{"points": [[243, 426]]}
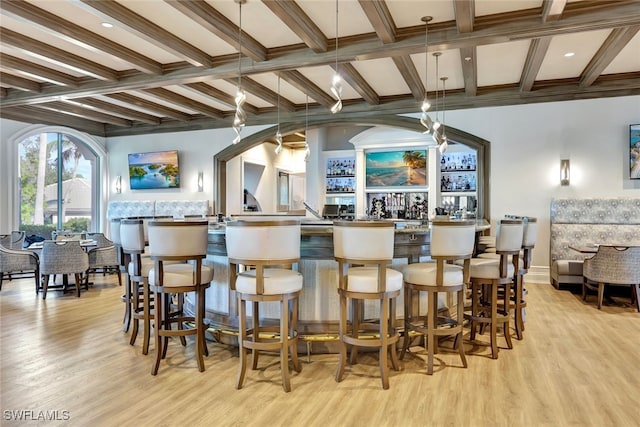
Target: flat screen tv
{"points": [[158, 169], [634, 151], [406, 168]]}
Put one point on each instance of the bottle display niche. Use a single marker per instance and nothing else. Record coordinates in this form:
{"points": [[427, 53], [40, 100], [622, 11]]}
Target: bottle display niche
{"points": [[340, 175], [405, 205], [458, 172]]}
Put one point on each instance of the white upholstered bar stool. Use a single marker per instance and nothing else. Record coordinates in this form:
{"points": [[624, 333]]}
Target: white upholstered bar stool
{"points": [[450, 241], [137, 297], [266, 250], [363, 250], [519, 304], [487, 275], [184, 242]]}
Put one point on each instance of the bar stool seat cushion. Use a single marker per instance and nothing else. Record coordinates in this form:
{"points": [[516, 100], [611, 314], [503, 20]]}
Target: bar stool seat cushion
{"points": [[425, 274], [488, 268], [181, 275], [147, 264], [276, 281], [365, 279]]}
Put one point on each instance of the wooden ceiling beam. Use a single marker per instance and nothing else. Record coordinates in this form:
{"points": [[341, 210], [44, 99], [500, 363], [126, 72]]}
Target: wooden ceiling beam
{"points": [[218, 95], [465, 15], [19, 82], [299, 22], [86, 113], [378, 14], [358, 83], [132, 22], [208, 17], [263, 93], [184, 101], [410, 75], [27, 68], [124, 112], [611, 47], [56, 56], [77, 35], [150, 106], [47, 117], [306, 86]]}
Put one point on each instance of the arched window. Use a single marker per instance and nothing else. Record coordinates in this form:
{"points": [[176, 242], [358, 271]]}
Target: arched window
{"points": [[59, 174]]}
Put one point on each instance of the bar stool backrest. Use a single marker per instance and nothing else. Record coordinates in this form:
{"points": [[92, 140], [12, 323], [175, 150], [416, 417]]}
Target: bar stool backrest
{"points": [[263, 241], [530, 232], [132, 236], [114, 230], [363, 240], [179, 239], [452, 238], [509, 235]]}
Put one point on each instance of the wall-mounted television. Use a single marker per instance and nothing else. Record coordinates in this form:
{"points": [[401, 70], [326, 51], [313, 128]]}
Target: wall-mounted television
{"points": [[157, 169], [406, 168], [634, 151]]}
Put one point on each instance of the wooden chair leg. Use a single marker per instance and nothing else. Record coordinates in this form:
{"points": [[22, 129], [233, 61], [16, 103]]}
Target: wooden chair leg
{"points": [[407, 320], [600, 294], [432, 318], [519, 323], [199, 318], [384, 342], [584, 289], [293, 326], [342, 360], [159, 347], [45, 285], [637, 295], [78, 280], [395, 364], [202, 337], [494, 323], [357, 312], [256, 335], [284, 345], [460, 317], [242, 336], [146, 317], [126, 320]]}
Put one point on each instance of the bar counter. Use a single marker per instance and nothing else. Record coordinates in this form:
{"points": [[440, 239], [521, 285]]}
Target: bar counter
{"points": [[318, 307]]}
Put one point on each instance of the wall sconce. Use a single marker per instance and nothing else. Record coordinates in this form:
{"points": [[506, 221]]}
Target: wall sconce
{"points": [[119, 184], [565, 172], [200, 182]]}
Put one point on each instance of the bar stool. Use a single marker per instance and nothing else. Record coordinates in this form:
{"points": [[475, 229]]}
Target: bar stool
{"points": [[178, 241], [519, 303], [450, 241], [487, 275], [363, 249], [138, 297], [269, 248]]}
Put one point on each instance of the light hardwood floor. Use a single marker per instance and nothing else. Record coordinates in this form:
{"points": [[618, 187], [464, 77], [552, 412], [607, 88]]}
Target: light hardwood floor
{"points": [[576, 366]]}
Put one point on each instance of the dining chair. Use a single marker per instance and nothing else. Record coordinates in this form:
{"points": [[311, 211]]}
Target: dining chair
{"points": [[612, 266], [19, 263], [103, 258], [62, 257]]}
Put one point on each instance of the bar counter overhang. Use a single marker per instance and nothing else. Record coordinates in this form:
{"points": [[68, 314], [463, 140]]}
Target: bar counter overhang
{"points": [[318, 311]]}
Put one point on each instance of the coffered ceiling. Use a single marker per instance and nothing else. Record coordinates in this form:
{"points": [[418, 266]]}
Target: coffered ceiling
{"points": [[173, 65]]}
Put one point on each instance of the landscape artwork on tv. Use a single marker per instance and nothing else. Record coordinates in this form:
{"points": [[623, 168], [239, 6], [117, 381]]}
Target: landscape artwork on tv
{"points": [[396, 168], [634, 153], [157, 169]]}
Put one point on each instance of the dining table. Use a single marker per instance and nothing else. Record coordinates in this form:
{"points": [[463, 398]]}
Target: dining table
{"points": [[85, 244]]}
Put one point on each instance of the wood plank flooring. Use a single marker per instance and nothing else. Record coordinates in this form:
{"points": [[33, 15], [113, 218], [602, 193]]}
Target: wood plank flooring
{"points": [[577, 366]]}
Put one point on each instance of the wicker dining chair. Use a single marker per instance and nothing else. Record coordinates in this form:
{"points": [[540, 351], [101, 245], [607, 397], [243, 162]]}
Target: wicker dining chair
{"points": [[104, 257], [612, 265], [62, 257], [18, 263]]}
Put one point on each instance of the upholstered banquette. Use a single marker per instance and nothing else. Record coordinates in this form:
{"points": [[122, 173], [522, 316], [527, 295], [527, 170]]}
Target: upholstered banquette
{"points": [[582, 222]]}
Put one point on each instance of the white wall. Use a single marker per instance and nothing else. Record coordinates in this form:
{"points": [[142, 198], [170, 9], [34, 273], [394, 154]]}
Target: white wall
{"points": [[527, 143]]}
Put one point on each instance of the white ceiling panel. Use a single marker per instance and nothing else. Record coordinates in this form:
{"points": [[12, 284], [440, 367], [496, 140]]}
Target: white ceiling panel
{"points": [[583, 45], [383, 76], [501, 63], [628, 60]]}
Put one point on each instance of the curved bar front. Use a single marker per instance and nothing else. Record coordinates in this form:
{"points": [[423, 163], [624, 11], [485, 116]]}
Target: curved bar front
{"points": [[319, 306]]}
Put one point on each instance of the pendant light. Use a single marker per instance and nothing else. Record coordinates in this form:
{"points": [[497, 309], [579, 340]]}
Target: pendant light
{"points": [[425, 120], [445, 143], [240, 116], [278, 134], [336, 83]]}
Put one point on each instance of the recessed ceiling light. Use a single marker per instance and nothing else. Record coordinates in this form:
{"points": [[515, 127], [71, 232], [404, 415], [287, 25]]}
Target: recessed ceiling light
{"points": [[569, 54], [107, 24]]}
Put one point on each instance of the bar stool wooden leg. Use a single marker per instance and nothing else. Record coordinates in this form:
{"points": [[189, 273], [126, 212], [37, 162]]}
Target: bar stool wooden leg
{"points": [[392, 324], [256, 335], [432, 319], [242, 336], [342, 361], [292, 330], [159, 347], [201, 347], [357, 313], [494, 323], [284, 341], [460, 316], [384, 342], [519, 322], [408, 303]]}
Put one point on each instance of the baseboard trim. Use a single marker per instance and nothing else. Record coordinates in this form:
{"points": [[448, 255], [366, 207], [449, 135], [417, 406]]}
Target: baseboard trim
{"points": [[538, 275]]}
